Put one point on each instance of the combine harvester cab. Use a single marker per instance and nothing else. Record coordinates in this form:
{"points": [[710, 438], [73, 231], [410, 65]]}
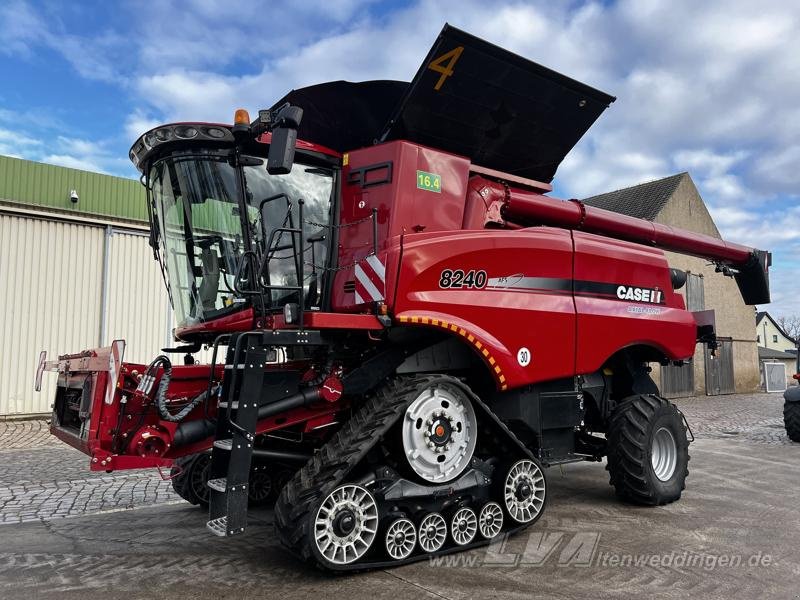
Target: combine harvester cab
{"points": [[381, 277]]}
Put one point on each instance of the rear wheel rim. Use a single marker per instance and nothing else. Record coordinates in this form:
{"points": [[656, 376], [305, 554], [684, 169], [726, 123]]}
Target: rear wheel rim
{"points": [[664, 454]]}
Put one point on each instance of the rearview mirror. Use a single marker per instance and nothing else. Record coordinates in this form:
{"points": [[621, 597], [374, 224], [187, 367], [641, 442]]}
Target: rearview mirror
{"points": [[284, 140]]}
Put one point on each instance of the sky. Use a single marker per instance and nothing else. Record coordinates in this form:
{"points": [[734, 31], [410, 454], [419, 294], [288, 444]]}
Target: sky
{"points": [[712, 88]]}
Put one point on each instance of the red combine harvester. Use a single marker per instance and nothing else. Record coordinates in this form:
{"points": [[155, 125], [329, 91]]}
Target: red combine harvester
{"points": [[405, 329]]}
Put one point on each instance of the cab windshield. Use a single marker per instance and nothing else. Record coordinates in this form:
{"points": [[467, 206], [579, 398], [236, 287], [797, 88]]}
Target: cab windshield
{"points": [[204, 227]]}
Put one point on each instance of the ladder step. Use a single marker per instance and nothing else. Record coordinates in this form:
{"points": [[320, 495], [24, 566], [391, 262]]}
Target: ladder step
{"points": [[219, 485], [218, 526], [224, 444], [224, 404]]}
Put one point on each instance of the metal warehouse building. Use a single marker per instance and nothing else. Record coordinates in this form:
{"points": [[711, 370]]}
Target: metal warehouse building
{"points": [[76, 272]]}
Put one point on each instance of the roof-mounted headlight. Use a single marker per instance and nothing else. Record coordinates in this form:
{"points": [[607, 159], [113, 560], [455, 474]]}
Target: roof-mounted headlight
{"points": [[185, 132], [164, 134], [215, 132]]}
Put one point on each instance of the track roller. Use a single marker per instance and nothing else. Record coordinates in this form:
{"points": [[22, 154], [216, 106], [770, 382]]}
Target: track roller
{"points": [[490, 520], [432, 532], [464, 526], [401, 538]]}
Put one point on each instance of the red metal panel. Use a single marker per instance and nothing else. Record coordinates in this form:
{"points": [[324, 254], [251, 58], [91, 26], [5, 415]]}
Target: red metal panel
{"points": [[608, 324], [509, 312], [402, 207], [239, 321]]}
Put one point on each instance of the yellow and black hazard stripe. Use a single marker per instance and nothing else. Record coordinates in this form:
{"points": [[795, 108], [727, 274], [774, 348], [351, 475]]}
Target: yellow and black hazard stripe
{"points": [[480, 346]]}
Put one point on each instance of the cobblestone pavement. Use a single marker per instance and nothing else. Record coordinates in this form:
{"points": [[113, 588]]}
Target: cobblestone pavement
{"points": [[41, 479], [740, 506], [26, 434], [751, 417]]}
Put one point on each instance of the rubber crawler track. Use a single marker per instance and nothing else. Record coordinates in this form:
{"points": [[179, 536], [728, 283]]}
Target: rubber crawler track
{"points": [[628, 454], [791, 419], [331, 464]]}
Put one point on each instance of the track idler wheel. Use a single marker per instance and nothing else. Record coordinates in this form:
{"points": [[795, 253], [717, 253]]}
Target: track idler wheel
{"points": [[189, 475], [345, 525], [259, 491], [525, 491]]}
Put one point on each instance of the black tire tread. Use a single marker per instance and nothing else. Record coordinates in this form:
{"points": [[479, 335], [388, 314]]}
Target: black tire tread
{"points": [[628, 448], [336, 458], [181, 482], [348, 446], [791, 419]]}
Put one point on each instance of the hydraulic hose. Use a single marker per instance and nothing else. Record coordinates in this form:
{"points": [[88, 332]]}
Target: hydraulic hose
{"points": [[161, 391]]}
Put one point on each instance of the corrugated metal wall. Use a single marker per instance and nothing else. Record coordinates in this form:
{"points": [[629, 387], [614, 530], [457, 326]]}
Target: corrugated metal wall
{"points": [[138, 307], [48, 186], [51, 285]]}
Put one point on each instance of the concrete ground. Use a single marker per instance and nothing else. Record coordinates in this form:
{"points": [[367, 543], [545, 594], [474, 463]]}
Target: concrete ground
{"points": [[66, 533]]}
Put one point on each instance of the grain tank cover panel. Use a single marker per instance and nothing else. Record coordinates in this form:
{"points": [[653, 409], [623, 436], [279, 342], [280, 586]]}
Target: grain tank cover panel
{"points": [[343, 116], [498, 109]]}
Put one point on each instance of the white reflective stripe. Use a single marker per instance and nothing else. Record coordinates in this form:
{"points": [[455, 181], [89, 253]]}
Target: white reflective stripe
{"points": [[359, 299], [377, 266], [368, 285], [114, 361]]}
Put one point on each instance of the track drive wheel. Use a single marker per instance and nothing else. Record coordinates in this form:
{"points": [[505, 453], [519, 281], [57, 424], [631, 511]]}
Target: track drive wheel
{"points": [[524, 491], [439, 432], [791, 419], [648, 452]]}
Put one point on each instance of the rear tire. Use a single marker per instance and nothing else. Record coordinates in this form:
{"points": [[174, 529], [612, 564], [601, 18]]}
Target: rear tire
{"points": [[648, 452], [791, 419]]}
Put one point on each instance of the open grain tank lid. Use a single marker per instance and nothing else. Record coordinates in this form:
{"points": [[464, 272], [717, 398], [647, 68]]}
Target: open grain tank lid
{"points": [[469, 97]]}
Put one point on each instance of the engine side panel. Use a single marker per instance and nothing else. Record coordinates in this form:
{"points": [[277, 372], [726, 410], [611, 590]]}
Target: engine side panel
{"points": [[507, 293], [624, 298]]}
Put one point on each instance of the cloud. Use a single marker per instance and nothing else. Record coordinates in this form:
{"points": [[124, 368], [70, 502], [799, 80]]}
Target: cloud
{"points": [[707, 87], [137, 123], [75, 153], [21, 28], [73, 162], [95, 56]]}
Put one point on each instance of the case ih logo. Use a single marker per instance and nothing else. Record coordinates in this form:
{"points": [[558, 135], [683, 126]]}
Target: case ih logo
{"points": [[637, 294]]}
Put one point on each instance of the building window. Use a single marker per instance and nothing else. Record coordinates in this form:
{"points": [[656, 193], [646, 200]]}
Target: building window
{"points": [[775, 338], [758, 338]]}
